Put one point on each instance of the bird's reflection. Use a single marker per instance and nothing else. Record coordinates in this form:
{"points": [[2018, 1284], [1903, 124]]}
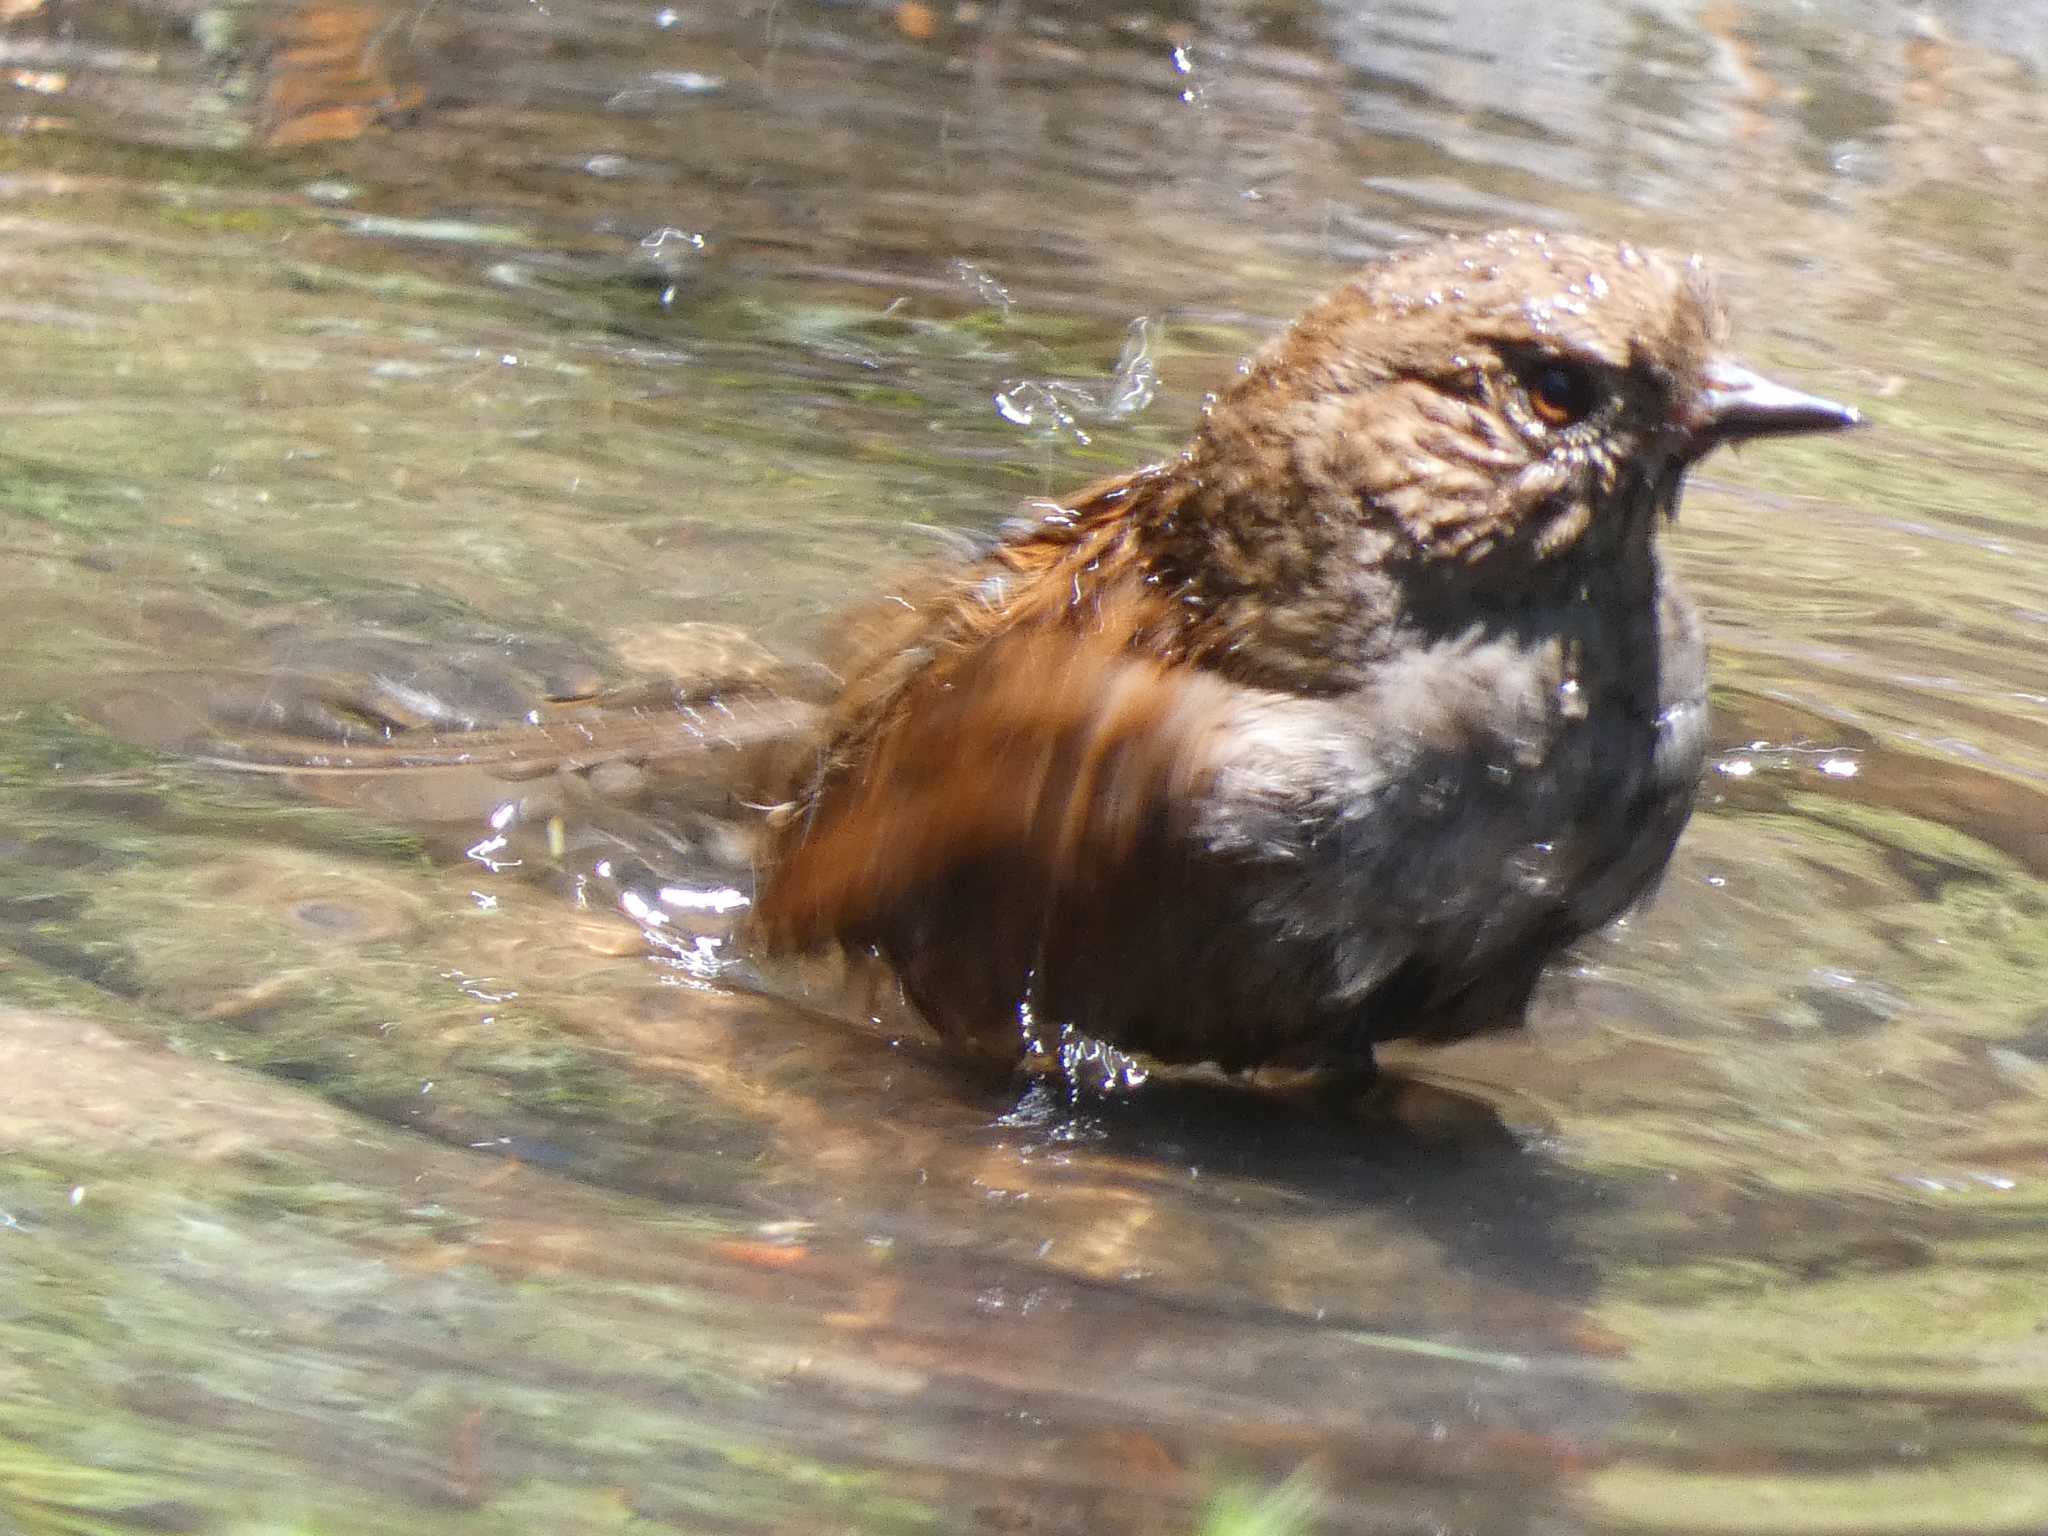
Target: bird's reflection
{"points": [[1413, 1150]]}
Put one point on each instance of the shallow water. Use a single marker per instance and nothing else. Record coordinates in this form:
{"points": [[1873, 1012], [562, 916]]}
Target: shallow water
{"points": [[357, 1179]]}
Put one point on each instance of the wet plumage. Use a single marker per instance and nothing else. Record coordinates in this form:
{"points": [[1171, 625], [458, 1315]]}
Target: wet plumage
{"points": [[1336, 728]]}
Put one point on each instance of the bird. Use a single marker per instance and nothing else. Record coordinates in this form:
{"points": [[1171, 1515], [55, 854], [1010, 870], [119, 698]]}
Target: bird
{"points": [[1336, 728]]}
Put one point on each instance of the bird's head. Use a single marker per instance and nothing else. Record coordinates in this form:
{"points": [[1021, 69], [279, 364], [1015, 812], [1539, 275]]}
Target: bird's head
{"points": [[1493, 402]]}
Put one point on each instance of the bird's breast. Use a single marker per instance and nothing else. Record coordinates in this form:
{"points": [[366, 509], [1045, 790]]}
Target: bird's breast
{"points": [[1485, 794]]}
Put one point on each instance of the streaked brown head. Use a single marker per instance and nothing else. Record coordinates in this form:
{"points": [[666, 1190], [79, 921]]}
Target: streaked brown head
{"points": [[1502, 393], [1482, 411]]}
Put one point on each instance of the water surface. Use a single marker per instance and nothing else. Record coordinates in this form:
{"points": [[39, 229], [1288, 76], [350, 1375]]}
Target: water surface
{"points": [[361, 1178]]}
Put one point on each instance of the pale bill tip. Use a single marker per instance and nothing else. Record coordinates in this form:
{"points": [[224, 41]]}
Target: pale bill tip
{"points": [[1738, 403]]}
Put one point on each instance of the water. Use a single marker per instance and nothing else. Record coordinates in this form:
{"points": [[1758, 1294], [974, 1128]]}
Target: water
{"points": [[356, 1184]]}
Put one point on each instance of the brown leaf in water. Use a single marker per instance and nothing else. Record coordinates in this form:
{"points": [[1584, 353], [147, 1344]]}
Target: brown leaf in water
{"points": [[1130, 1455], [757, 1255], [330, 78]]}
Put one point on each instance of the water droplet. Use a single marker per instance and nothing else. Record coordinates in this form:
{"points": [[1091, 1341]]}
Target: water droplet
{"points": [[1136, 379], [668, 236], [982, 283], [688, 81]]}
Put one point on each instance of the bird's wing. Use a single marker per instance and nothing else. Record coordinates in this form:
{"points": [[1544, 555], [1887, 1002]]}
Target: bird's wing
{"points": [[1048, 751]]}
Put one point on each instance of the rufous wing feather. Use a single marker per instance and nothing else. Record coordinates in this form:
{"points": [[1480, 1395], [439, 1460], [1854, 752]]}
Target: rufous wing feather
{"points": [[1049, 751]]}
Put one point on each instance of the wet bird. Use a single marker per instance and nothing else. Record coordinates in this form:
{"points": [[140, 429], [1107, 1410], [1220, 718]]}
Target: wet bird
{"points": [[1336, 728]]}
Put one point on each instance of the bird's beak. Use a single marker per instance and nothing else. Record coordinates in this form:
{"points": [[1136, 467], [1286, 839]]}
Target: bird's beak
{"points": [[1734, 405]]}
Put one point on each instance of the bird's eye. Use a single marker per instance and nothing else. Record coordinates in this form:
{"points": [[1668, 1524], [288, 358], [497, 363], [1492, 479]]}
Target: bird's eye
{"points": [[1562, 393]]}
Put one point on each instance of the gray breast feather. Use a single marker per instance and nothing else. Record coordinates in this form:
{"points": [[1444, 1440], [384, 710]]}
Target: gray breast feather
{"points": [[1466, 804]]}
